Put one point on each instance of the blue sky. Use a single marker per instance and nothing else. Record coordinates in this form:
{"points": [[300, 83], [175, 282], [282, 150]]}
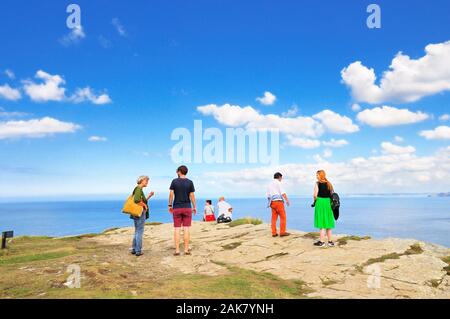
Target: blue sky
{"points": [[145, 69]]}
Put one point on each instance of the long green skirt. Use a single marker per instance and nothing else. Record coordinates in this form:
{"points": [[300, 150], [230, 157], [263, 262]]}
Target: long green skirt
{"points": [[323, 214]]}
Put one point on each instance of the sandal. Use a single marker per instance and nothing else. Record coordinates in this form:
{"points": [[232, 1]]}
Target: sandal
{"points": [[176, 254], [187, 253]]}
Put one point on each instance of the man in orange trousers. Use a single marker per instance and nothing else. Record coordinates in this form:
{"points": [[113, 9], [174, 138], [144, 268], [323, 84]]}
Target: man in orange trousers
{"points": [[276, 197]]}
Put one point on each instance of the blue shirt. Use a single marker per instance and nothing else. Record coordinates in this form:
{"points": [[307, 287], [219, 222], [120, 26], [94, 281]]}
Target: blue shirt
{"points": [[182, 188]]}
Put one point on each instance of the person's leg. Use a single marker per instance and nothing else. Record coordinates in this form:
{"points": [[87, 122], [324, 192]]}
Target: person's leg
{"points": [[274, 218], [322, 235], [177, 239], [282, 213], [133, 247], [139, 233], [187, 222], [329, 235]]}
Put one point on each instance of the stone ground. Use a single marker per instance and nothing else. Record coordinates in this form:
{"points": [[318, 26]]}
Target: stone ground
{"points": [[356, 268]]}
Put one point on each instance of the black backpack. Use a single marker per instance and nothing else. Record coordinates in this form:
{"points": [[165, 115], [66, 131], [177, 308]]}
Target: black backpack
{"points": [[335, 205]]}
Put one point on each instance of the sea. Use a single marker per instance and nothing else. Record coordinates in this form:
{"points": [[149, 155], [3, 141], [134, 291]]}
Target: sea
{"points": [[423, 218]]}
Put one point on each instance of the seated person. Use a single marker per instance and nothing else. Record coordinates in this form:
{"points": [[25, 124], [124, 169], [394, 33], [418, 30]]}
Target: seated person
{"points": [[208, 212], [225, 211]]}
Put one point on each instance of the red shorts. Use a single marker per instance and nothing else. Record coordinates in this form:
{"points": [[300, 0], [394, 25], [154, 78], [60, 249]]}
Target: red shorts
{"points": [[182, 216]]}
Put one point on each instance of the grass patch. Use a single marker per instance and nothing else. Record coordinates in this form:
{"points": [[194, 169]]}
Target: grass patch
{"points": [[447, 268], [313, 235], [344, 240], [245, 221], [34, 257], [110, 230], [231, 246], [153, 223], [414, 249]]}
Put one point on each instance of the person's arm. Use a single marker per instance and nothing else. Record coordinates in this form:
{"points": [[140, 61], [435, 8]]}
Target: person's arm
{"points": [[316, 192], [150, 195], [286, 199], [194, 205], [138, 194], [171, 201]]}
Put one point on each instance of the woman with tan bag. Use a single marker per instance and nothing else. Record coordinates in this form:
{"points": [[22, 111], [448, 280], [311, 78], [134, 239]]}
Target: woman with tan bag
{"points": [[139, 221]]}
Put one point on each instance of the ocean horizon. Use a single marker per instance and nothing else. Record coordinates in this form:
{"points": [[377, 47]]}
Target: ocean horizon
{"points": [[418, 217]]}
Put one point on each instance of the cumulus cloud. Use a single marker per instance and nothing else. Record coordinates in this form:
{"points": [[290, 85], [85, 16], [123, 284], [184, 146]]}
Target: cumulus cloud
{"points": [[51, 88], [86, 94], [398, 139], [439, 133], [390, 116], [9, 93], [302, 142], [267, 99], [327, 153], [407, 80], [335, 143], [356, 107], [35, 128], [383, 173], [10, 74], [73, 37], [312, 127], [119, 27], [336, 123], [97, 139], [389, 148], [293, 111], [4, 113], [444, 117]]}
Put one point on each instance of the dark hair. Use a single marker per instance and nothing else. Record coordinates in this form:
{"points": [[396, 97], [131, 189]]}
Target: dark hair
{"points": [[209, 201], [182, 169], [277, 175]]}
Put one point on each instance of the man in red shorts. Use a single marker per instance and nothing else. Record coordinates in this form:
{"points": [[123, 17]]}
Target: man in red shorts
{"points": [[180, 198]]}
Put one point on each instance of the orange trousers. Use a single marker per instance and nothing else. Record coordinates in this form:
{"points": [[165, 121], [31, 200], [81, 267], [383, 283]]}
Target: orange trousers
{"points": [[278, 210]]}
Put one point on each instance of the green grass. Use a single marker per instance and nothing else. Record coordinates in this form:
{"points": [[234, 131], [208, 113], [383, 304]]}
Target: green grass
{"points": [[414, 249], [153, 223], [312, 235], [447, 268], [344, 240], [245, 221], [33, 257]]}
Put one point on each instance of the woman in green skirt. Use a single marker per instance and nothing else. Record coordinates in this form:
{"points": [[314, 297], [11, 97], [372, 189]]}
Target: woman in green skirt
{"points": [[323, 214]]}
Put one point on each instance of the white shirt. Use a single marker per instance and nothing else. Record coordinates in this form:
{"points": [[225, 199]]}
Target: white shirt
{"points": [[224, 207], [275, 191], [209, 210]]}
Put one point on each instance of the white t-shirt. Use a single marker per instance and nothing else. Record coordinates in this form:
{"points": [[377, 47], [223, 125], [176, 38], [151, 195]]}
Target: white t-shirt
{"points": [[209, 210], [275, 191], [224, 207]]}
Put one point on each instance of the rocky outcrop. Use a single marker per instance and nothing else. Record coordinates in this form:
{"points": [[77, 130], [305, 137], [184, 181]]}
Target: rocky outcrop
{"points": [[355, 268]]}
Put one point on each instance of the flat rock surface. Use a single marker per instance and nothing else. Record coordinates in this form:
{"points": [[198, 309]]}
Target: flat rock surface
{"points": [[363, 268]]}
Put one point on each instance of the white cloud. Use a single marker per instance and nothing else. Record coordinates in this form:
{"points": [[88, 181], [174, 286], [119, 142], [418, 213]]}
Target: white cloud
{"points": [[444, 117], [52, 89], [389, 148], [119, 27], [374, 174], [398, 139], [9, 93], [293, 111], [10, 74], [439, 133], [312, 127], [49, 90], [390, 116], [336, 123], [407, 80], [35, 128], [4, 113], [267, 99], [86, 94], [73, 37], [335, 143], [327, 153], [356, 107], [302, 142], [97, 139]]}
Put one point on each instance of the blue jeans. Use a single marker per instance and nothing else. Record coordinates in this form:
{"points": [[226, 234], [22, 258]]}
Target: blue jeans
{"points": [[139, 224]]}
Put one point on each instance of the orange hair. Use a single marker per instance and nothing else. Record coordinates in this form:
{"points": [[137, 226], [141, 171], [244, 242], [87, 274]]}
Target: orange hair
{"points": [[323, 179]]}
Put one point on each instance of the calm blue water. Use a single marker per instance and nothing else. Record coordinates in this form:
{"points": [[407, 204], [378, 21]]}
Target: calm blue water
{"points": [[427, 219]]}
